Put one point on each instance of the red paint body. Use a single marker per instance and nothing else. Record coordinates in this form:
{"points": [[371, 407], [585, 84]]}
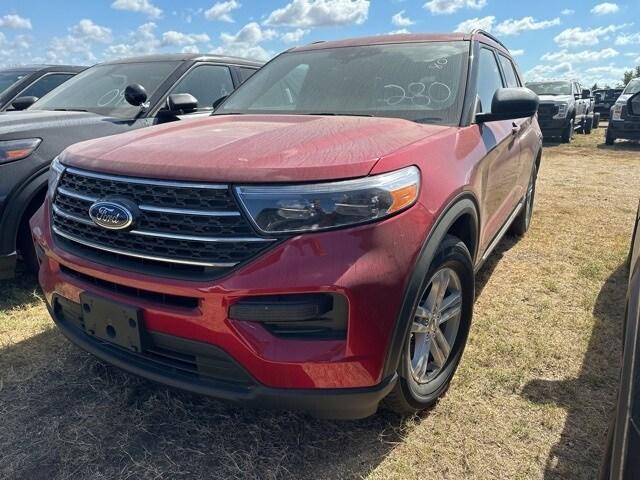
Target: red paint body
{"points": [[369, 264]]}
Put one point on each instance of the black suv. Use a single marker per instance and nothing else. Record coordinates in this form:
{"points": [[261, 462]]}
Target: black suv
{"points": [[21, 86], [105, 99], [625, 115], [565, 107], [605, 98]]}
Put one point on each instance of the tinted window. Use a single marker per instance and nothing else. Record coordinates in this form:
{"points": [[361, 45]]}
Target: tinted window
{"points": [[550, 88], [245, 73], [422, 82], [7, 79], [207, 83], [489, 79], [100, 89], [509, 72], [45, 84]]}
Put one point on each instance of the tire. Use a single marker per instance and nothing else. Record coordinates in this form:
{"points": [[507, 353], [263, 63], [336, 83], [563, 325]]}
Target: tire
{"points": [[596, 120], [567, 134], [28, 250], [609, 139], [581, 125], [419, 388], [588, 125], [521, 224]]}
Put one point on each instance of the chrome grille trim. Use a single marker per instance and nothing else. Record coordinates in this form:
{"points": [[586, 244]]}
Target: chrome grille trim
{"points": [[75, 239], [145, 181]]}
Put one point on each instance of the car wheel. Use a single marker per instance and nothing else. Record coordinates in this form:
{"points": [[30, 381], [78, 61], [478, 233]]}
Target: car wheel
{"points": [[596, 120], [438, 332], [567, 135], [609, 139], [588, 125], [521, 224]]}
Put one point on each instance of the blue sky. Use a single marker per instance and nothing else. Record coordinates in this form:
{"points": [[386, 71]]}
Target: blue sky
{"points": [[588, 40]]}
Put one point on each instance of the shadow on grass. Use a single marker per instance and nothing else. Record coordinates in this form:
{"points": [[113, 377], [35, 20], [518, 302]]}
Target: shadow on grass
{"points": [[484, 274], [20, 291], [65, 414], [621, 146], [589, 398]]}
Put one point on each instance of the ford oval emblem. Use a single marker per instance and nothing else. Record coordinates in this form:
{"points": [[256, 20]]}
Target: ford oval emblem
{"points": [[111, 215]]}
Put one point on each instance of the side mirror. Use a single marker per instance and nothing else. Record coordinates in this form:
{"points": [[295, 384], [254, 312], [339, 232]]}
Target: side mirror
{"points": [[586, 94], [135, 94], [181, 103], [22, 103], [509, 104], [219, 101], [633, 105]]}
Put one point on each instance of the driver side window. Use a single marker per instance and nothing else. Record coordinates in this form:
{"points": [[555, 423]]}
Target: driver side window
{"points": [[207, 83], [489, 79]]}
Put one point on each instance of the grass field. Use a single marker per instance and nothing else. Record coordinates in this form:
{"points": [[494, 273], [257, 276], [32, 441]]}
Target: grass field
{"points": [[531, 399]]}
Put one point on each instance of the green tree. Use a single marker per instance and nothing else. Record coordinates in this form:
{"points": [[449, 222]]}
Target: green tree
{"points": [[630, 75]]}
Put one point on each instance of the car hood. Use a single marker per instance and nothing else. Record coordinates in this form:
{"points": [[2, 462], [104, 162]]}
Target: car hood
{"points": [[251, 148], [21, 123], [623, 98], [555, 98]]}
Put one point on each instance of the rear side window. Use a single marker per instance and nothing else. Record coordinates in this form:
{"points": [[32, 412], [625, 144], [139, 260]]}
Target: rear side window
{"points": [[489, 79], [509, 72], [45, 84], [207, 83], [245, 73]]}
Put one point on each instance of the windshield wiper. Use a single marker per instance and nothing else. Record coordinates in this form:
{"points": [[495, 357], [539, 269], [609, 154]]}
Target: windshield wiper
{"points": [[429, 120], [69, 110], [334, 114]]}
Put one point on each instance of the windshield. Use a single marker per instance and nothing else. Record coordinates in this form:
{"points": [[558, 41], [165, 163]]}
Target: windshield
{"points": [[7, 79], [100, 89], [422, 82], [550, 88], [633, 87]]}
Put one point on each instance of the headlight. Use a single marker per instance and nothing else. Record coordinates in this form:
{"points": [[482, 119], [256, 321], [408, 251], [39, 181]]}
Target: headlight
{"points": [[55, 172], [11, 150], [616, 112], [322, 206], [562, 111]]}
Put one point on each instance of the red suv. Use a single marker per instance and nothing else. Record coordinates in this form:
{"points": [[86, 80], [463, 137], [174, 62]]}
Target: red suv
{"points": [[313, 244]]}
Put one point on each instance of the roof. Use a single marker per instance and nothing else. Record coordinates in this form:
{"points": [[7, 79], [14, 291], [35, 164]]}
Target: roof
{"points": [[37, 68], [182, 57], [402, 38]]}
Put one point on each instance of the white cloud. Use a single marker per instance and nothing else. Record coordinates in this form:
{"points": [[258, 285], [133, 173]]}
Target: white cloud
{"points": [[313, 13], [485, 23], [294, 36], [15, 22], [517, 52], [400, 20], [628, 39], [514, 27], [191, 49], [77, 46], [605, 8], [222, 11], [578, 57], [139, 6], [567, 11], [548, 72], [400, 31], [576, 36], [446, 7], [141, 41], [250, 34], [86, 29], [181, 39]]}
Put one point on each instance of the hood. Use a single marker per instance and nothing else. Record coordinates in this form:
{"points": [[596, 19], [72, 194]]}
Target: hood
{"points": [[251, 148], [38, 120], [556, 98], [624, 98]]}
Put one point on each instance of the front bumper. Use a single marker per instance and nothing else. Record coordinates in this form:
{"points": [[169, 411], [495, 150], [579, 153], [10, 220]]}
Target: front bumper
{"points": [[625, 129], [368, 265], [552, 127]]}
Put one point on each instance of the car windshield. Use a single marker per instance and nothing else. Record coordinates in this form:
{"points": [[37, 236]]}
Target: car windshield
{"points": [[7, 79], [100, 89], [421, 82], [550, 88], [633, 87]]}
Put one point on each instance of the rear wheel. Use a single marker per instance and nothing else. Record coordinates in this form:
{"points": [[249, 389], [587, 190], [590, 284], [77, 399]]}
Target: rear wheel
{"points": [[522, 222], [438, 332], [567, 134], [588, 125]]}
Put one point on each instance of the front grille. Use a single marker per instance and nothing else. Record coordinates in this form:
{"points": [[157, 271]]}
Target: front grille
{"points": [[182, 229], [547, 110]]}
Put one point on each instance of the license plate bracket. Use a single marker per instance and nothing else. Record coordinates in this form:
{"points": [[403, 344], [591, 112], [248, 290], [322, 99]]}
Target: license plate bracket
{"points": [[112, 322]]}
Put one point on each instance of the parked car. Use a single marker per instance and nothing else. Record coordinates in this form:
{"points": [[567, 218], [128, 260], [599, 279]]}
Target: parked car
{"points": [[605, 99], [625, 118], [21, 86], [313, 244], [103, 100], [565, 107], [621, 460]]}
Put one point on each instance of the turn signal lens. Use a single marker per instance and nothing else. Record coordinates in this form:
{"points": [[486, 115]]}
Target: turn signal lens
{"points": [[11, 150]]}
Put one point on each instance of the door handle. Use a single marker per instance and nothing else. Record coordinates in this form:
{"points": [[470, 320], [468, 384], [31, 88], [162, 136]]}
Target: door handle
{"points": [[515, 128]]}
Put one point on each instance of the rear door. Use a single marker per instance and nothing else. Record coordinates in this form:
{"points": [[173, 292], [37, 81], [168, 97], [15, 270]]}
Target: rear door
{"points": [[502, 161]]}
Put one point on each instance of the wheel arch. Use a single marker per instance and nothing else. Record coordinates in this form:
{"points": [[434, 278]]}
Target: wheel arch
{"points": [[462, 212]]}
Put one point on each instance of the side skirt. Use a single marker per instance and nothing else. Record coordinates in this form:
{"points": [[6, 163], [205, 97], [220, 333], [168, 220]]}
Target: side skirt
{"points": [[501, 233]]}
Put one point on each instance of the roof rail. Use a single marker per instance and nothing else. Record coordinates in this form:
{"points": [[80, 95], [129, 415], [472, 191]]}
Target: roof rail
{"points": [[488, 35]]}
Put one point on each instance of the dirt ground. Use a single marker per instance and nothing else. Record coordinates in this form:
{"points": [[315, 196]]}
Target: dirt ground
{"points": [[531, 399]]}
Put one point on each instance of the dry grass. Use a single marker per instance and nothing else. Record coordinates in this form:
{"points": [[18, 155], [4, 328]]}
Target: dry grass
{"points": [[531, 399]]}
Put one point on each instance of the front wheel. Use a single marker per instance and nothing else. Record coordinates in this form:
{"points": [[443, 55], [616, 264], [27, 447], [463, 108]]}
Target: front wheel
{"points": [[567, 134], [609, 139], [588, 125], [438, 332], [596, 120]]}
